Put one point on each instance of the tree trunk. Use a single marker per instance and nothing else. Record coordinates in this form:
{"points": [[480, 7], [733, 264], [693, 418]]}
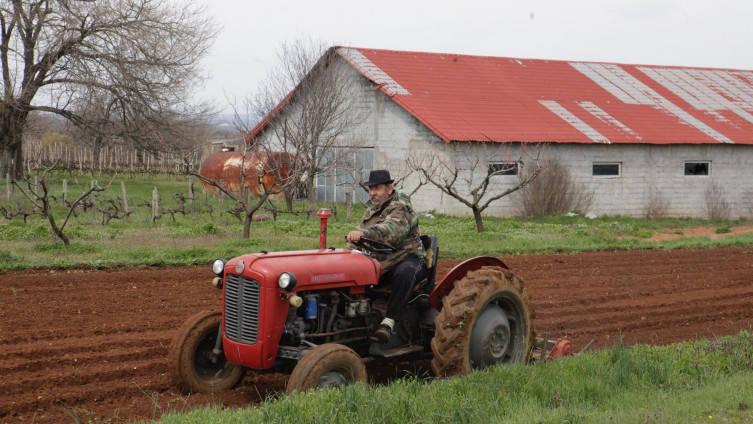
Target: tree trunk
{"points": [[288, 198], [17, 161], [47, 212], [16, 156], [11, 137], [250, 211], [4, 163], [247, 225], [55, 229], [310, 181], [479, 222], [96, 151]]}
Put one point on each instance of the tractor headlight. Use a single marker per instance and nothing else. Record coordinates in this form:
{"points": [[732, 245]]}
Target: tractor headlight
{"points": [[287, 281], [218, 267]]}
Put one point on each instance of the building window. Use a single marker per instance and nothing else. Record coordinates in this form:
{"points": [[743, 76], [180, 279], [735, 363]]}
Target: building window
{"points": [[607, 170], [698, 169], [345, 170], [504, 168]]}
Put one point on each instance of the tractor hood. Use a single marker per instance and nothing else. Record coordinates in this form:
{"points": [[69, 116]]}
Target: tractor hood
{"points": [[313, 269]]}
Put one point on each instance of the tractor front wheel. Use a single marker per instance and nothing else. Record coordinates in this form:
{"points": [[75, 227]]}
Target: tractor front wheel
{"points": [[486, 319], [327, 365], [192, 362]]}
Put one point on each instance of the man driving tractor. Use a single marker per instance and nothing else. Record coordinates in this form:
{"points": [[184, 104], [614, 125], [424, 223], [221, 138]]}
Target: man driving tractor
{"points": [[264, 325], [391, 220]]}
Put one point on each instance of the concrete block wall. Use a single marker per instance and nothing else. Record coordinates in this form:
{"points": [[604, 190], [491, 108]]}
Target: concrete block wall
{"points": [[660, 169], [646, 169]]}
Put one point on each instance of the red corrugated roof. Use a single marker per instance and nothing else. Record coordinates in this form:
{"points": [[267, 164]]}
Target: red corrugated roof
{"points": [[478, 98]]}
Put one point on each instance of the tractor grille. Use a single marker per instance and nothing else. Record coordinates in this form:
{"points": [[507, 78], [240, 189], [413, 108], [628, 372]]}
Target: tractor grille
{"points": [[241, 309]]}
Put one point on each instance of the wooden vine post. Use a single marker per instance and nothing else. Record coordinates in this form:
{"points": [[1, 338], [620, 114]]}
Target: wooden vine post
{"points": [[94, 203], [125, 201], [348, 203], [191, 194], [35, 191], [155, 204]]}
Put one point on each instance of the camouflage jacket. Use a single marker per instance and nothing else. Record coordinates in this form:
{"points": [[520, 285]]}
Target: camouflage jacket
{"points": [[394, 222]]}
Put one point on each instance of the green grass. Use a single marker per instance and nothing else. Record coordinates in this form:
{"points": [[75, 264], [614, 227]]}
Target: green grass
{"points": [[722, 230], [198, 238], [693, 382]]}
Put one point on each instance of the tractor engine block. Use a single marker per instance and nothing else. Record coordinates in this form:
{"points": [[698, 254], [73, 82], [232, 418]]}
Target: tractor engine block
{"points": [[330, 316]]}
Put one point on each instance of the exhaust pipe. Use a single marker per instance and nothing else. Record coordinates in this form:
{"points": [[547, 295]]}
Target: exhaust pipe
{"points": [[324, 214]]}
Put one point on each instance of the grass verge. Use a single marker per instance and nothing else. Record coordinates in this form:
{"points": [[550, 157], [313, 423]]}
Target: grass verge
{"points": [[206, 231], [196, 240], [692, 382]]}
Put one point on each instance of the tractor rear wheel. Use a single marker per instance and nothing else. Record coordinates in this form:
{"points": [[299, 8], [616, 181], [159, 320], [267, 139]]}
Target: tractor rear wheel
{"points": [[191, 361], [486, 319], [327, 365]]}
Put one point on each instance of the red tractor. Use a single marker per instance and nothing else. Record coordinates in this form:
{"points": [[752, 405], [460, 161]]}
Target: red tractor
{"points": [[313, 313]]}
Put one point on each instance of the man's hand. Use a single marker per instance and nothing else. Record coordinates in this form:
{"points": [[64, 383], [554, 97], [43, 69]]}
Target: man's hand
{"points": [[354, 236]]}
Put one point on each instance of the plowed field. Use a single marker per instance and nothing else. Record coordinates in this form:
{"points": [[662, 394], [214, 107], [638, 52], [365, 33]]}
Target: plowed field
{"points": [[92, 345]]}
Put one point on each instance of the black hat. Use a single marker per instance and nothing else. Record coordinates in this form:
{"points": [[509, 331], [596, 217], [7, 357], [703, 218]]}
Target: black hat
{"points": [[378, 176]]}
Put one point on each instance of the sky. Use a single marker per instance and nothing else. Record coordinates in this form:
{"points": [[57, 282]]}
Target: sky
{"points": [[695, 33]]}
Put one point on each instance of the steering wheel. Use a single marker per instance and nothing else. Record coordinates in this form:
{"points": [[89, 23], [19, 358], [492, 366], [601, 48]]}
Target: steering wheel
{"points": [[374, 246]]}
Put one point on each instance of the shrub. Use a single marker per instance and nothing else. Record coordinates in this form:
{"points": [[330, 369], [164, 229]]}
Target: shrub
{"points": [[716, 204], [553, 192], [657, 205]]}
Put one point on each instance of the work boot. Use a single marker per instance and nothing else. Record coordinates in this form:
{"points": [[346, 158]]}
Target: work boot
{"points": [[384, 332]]}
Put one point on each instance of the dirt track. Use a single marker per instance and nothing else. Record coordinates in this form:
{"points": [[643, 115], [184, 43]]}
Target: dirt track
{"points": [[93, 344]]}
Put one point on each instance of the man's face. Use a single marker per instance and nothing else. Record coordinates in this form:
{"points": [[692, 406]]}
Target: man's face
{"points": [[379, 193]]}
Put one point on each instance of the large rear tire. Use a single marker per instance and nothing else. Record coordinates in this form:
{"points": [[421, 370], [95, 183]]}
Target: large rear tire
{"points": [[327, 365], [486, 319], [190, 358]]}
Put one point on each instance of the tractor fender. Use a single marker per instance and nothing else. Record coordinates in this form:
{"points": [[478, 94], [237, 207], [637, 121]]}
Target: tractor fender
{"points": [[448, 281]]}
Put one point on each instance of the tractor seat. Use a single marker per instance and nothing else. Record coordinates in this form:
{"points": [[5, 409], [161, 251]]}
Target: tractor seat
{"points": [[431, 245]]}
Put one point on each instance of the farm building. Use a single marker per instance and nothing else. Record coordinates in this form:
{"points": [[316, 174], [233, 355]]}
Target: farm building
{"points": [[632, 135]]}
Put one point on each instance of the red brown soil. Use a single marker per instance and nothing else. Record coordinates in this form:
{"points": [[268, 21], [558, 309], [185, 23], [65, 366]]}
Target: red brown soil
{"points": [[710, 232], [93, 345]]}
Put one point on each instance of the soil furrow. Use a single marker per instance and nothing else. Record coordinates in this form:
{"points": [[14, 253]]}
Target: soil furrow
{"points": [[93, 344]]}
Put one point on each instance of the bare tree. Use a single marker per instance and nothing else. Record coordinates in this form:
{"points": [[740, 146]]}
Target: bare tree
{"points": [[356, 177], [272, 171], [183, 136], [308, 107], [471, 175], [39, 195], [142, 55], [95, 127]]}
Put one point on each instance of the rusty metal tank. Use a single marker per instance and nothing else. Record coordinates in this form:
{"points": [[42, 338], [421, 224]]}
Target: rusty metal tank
{"points": [[226, 166]]}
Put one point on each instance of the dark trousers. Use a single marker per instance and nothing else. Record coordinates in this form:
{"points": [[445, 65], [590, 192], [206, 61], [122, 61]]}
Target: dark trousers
{"points": [[403, 277]]}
